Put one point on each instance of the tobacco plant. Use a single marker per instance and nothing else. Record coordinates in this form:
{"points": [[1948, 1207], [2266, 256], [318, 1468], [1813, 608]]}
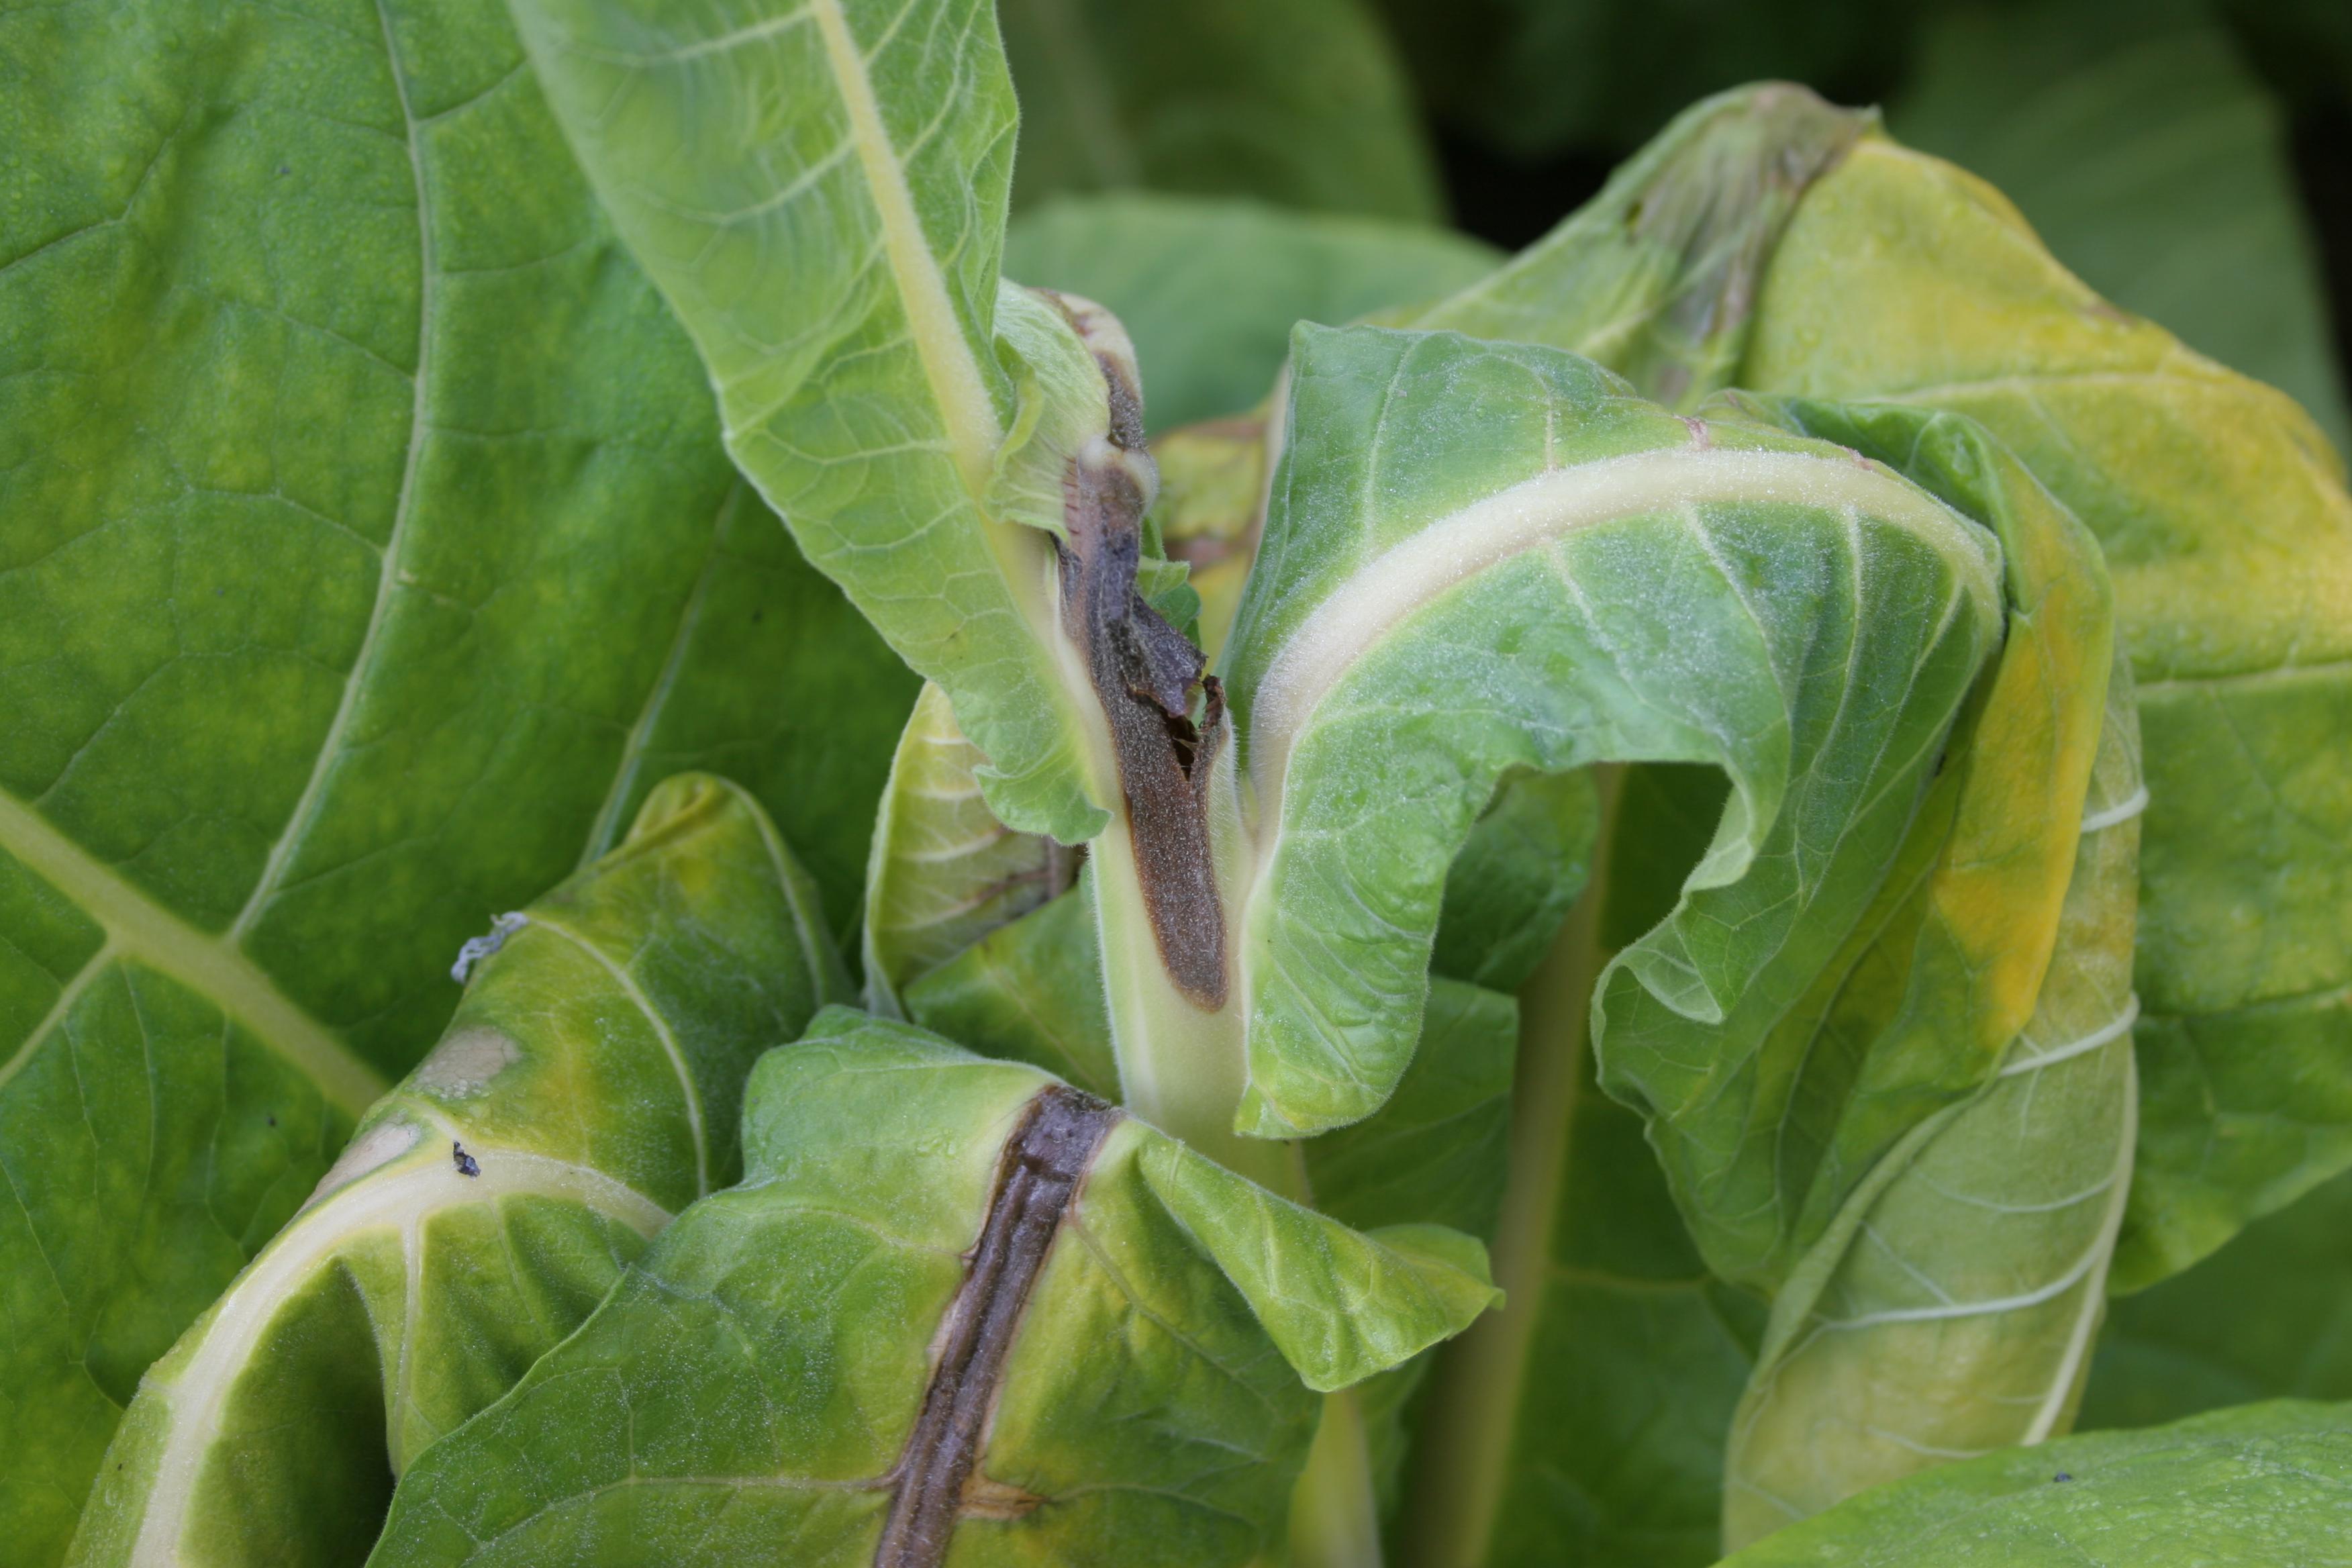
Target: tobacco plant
{"points": [[1745, 814]]}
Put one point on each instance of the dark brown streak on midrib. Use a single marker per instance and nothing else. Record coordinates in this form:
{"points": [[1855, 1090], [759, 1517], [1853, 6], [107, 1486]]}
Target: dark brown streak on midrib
{"points": [[1045, 1162], [1144, 672]]}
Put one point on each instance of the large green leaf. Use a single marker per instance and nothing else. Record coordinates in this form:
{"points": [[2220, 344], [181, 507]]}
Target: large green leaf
{"points": [[1594, 579], [1951, 1303], [1888, 274], [868, 1345], [588, 1087], [942, 871], [367, 554], [2263, 1483], [1210, 290], [1294, 101], [1935, 1231], [819, 191], [2229, 534], [1434, 1154], [2173, 196]]}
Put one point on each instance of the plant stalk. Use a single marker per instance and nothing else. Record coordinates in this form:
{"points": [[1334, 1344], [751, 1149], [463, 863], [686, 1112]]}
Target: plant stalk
{"points": [[1460, 1463], [1335, 1519], [1183, 1068]]}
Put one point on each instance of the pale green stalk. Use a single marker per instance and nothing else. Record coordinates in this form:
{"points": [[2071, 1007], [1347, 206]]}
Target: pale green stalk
{"points": [[1467, 1435]]}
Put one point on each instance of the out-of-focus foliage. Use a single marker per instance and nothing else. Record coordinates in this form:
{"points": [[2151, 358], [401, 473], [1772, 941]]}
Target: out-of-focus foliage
{"points": [[1300, 102], [2267, 1317], [2151, 161], [1209, 290]]}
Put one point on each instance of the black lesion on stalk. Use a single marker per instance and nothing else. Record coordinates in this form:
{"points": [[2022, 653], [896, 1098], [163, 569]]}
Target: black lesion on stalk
{"points": [[1145, 672], [936, 1479]]}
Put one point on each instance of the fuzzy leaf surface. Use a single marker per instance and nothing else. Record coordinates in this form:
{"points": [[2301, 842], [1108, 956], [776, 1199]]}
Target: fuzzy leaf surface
{"points": [[819, 190], [1603, 581]]}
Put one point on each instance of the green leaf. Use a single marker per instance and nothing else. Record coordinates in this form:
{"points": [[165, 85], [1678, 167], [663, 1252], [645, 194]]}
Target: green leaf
{"points": [[1919, 1219], [1210, 290], [1434, 1154], [774, 1379], [2174, 197], [944, 873], [819, 191], [1655, 276], [1030, 992], [587, 1088], [2229, 534], [1601, 580], [1532, 77], [1299, 102], [1951, 1306], [1891, 275], [2267, 1316], [1511, 884], [369, 555], [2264, 1483]]}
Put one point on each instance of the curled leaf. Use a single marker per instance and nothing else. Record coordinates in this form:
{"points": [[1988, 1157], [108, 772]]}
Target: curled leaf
{"points": [[863, 1353], [587, 1088]]}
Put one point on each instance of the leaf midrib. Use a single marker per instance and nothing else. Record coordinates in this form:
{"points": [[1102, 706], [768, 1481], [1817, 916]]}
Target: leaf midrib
{"points": [[137, 927], [197, 1390], [306, 809]]}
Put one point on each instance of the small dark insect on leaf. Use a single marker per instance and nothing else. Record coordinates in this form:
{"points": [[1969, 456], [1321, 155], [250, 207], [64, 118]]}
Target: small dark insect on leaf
{"points": [[467, 1165], [2062, 1476]]}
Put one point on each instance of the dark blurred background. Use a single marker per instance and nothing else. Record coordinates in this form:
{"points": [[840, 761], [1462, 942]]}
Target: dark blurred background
{"points": [[2190, 159]]}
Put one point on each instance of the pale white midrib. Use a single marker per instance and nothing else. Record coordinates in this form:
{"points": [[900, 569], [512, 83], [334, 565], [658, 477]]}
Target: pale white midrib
{"points": [[2075, 1047], [2087, 1320], [1023, 562], [1356, 616], [2090, 1264], [964, 404], [297, 824], [2123, 810], [404, 1199], [137, 927], [637, 999]]}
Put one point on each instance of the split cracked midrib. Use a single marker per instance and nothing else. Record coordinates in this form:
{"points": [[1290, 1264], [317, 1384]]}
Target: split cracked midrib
{"points": [[137, 927], [1045, 1162]]}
